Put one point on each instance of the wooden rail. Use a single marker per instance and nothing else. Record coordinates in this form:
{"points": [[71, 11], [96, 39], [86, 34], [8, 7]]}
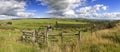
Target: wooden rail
{"points": [[34, 36]]}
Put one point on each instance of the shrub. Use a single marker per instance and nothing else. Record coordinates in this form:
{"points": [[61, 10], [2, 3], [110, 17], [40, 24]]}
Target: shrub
{"points": [[10, 23]]}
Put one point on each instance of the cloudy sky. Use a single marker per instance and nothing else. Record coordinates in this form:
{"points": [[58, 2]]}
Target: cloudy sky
{"points": [[93, 9]]}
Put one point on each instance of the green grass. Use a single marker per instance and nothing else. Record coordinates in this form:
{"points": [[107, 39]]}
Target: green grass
{"points": [[71, 22], [36, 23], [9, 42], [10, 34], [107, 40]]}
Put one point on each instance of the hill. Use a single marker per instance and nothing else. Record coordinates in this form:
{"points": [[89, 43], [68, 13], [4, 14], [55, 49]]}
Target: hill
{"points": [[106, 39]]}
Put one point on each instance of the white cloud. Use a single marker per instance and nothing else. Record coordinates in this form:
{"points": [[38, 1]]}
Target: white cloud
{"points": [[62, 7], [66, 8], [92, 12], [104, 7], [13, 8], [91, 9], [108, 15], [113, 15], [93, 0]]}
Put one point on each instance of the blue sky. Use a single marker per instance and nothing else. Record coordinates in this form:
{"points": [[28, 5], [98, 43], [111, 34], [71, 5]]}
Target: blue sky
{"points": [[97, 9], [113, 6], [38, 9]]}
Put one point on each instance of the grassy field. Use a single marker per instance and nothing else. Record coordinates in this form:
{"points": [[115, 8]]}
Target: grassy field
{"points": [[105, 40], [36, 23]]}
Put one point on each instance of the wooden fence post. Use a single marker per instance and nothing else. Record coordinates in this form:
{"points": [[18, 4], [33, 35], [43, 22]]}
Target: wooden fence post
{"points": [[36, 32], [36, 35], [91, 29], [23, 36], [56, 24], [33, 38], [79, 35], [46, 36], [61, 34]]}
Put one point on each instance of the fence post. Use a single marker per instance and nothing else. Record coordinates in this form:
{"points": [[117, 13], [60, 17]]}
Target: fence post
{"points": [[61, 34], [56, 24], [36, 32], [46, 36], [23, 36], [79, 35], [36, 35], [33, 37], [91, 30]]}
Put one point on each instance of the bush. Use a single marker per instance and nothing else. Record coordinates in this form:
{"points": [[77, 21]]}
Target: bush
{"points": [[10, 23]]}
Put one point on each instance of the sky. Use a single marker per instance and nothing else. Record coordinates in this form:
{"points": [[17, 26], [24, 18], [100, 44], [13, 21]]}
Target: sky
{"points": [[91, 9]]}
